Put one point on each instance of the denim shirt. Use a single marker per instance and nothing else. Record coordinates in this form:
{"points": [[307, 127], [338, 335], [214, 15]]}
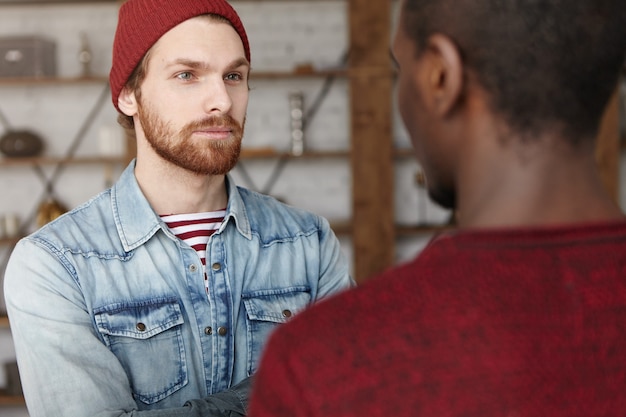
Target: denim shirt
{"points": [[109, 311]]}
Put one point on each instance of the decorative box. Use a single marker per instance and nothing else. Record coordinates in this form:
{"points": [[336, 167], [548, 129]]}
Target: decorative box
{"points": [[27, 56]]}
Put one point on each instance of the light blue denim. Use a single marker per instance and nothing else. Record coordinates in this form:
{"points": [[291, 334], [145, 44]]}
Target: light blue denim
{"points": [[109, 311]]}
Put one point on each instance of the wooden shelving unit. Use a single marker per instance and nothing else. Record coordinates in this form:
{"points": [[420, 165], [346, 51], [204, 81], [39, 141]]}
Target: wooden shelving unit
{"points": [[11, 400], [7, 400], [345, 228], [8, 242], [299, 73], [269, 153], [254, 75], [264, 153], [51, 160], [40, 81]]}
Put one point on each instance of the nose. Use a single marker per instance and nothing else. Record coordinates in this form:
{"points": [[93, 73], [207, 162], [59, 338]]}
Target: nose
{"points": [[216, 97]]}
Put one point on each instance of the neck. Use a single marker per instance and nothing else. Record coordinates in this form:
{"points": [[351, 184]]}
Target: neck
{"points": [[534, 185], [174, 190]]}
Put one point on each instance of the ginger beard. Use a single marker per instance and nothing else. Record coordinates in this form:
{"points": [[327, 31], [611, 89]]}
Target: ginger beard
{"points": [[198, 155]]}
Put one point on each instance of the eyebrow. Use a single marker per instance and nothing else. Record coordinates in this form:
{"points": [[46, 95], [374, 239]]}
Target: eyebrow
{"points": [[241, 62], [191, 63]]}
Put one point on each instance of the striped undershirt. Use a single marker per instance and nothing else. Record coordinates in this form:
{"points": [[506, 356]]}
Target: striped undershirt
{"points": [[195, 229]]}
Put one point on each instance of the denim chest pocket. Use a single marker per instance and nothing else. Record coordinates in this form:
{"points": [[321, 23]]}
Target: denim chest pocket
{"points": [[265, 310], [147, 339]]}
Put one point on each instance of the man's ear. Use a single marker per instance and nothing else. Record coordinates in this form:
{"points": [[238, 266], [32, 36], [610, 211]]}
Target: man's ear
{"points": [[127, 102], [443, 75]]}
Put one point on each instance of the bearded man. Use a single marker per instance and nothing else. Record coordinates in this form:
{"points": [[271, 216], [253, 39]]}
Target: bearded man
{"points": [[157, 296]]}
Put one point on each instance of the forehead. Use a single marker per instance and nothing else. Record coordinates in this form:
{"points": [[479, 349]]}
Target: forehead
{"points": [[206, 34]]}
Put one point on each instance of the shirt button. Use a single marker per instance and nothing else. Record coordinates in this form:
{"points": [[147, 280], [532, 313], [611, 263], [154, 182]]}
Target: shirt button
{"points": [[141, 327], [222, 331], [287, 313], [208, 331], [216, 266], [193, 268]]}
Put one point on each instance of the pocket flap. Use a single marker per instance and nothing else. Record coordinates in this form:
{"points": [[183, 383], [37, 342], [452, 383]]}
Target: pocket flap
{"points": [[139, 320], [276, 306]]}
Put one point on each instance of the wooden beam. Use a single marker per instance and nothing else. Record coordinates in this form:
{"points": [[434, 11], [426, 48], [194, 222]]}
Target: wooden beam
{"points": [[371, 84], [608, 147]]}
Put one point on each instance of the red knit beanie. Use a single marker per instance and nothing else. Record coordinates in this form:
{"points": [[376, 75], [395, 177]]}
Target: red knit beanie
{"points": [[142, 22]]}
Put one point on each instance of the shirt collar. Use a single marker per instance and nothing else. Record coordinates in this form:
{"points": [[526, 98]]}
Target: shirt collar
{"points": [[136, 222], [236, 210]]}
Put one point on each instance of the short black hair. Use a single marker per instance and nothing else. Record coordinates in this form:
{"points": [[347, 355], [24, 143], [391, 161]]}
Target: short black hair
{"points": [[545, 64]]}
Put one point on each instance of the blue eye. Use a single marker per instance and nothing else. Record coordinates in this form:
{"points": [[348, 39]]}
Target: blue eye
{"points": [[184, 75], [233, 77]]}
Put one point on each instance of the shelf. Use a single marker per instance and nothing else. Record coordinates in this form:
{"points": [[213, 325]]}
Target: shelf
{"points": [[341, 228], [262, 153], [422, 229], [404, 153], [11, 400], [345, 228], [6, 399], [269, 152], [102, 79], [246, 153], [8, 241], [21, 81], [50, 160], [298, 73]]}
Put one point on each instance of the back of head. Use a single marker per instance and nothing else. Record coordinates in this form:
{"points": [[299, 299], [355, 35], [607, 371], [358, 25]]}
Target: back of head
{"points": [[546, 64], [141, 23]]}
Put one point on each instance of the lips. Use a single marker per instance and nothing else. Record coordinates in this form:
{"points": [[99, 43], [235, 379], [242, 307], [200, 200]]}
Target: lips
{"points": [[215, 132], [216, 127]]}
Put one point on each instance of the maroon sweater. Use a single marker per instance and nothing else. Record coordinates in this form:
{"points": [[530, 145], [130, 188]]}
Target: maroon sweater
{"points": [[480, 324]]}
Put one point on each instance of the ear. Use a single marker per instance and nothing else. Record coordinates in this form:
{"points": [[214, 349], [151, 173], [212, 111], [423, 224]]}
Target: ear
{"points": [[127, 102], [443, 79]]}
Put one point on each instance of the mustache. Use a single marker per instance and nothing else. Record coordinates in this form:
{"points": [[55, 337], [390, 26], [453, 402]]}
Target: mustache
{"points": [[221, 121]]}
